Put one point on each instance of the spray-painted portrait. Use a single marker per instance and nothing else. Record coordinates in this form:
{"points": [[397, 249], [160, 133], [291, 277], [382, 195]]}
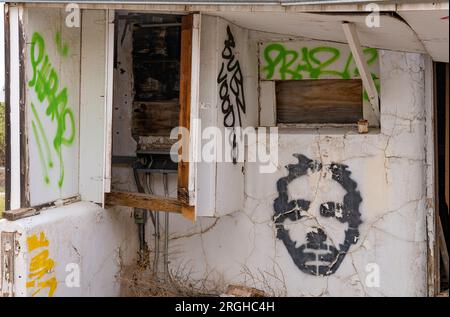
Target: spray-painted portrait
{"points": [[317, 214]]}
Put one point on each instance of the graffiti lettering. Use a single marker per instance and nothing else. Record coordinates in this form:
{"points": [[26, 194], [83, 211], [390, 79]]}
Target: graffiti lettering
{"points": [[45, 82], [230, 79], [312, 63], [41, 275], [63, 49]]}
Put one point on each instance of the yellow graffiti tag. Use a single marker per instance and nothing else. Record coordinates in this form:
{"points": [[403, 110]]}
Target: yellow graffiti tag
{"points": [[41, 275], [34, 243]]}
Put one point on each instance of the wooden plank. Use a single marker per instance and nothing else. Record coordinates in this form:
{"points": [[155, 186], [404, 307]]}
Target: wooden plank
{"points": [[185, 112], [443, 294], [24, 157], [430, 217], [109, 84], [144, 201], [16, 214], [434, 258], [155, 118], [363, 68], [446, 135], [14, 106], [442, 246], [319, 101], [92, 106], [8, 149], [156, 58], [20, 213]]}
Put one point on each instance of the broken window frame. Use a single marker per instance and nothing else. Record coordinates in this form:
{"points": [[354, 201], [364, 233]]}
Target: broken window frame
{"points": [[371, 114], [189, 73], [17, 188]]}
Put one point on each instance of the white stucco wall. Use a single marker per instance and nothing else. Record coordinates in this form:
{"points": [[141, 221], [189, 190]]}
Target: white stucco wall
{"points": [[388, 166], [81, 238], [389, 169]]}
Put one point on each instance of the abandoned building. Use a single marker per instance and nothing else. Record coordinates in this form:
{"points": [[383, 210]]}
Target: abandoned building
{"points": [[352, 96]]}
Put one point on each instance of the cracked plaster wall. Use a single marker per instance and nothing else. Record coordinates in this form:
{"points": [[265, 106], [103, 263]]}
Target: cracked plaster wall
{"points": [[389, 166], [80, 238], [390, 170]]}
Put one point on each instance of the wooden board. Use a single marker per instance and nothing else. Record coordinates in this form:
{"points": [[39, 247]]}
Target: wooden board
{"points": [[447, 134], [156, 58], [144, 201], [53, 166], [319, 101], [155, 118], [185, 110]]}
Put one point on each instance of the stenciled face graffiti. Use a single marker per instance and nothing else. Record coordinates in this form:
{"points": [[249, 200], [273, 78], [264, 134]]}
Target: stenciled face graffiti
{"points": [[230, 79], [317, 214]]}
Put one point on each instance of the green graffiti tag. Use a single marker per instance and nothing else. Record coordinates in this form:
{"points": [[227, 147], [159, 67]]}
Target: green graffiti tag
{"points": [[63, 49], [45, 82], [314, 62]]}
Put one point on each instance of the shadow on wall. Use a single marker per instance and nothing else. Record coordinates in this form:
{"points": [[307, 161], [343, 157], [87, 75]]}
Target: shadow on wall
{"points": [[2, 135], [2, 158]]}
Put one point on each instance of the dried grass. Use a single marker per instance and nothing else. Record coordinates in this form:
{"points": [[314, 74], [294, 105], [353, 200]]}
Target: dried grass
{"points": [[139, 281]]}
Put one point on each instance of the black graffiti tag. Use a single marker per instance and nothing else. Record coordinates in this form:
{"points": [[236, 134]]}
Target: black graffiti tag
{"points": [[230, 79], [316, 256]]}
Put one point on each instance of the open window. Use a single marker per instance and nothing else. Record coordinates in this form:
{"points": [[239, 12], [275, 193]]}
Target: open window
{"points": [[152, 93], [308, 82], [166, 70], [63, 144]]}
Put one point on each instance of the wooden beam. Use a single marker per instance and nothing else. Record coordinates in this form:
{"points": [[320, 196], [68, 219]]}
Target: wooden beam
{"points": [[446, 136], [442, 246], [16, 214], [185, 112], [363, 68], [435, 254], [13, 54], [144, 201], [109, 67]]}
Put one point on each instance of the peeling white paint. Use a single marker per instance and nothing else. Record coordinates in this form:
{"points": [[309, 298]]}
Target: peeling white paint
{"points": [[391, 166]]}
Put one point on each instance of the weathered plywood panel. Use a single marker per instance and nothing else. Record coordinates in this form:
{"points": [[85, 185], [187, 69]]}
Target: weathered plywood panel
{"points": [[305, 101], [92, 112], [144, 201], [205, 190], [156, 58], [152, 118], [185, 112], [311, 59], [227, 98], [52, 99]]}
